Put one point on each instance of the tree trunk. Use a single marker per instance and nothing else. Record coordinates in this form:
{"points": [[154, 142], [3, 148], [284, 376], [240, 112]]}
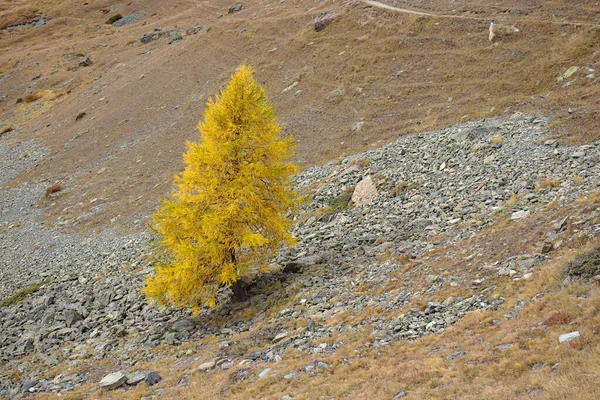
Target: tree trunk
{"points": [[239, 291]]}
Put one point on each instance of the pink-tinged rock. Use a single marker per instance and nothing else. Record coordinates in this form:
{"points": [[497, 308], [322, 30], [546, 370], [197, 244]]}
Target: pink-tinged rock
{"points": [[365, 192]]}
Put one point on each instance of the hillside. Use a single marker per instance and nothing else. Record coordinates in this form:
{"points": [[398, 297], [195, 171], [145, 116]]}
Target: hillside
{"points": [[478, 252]]}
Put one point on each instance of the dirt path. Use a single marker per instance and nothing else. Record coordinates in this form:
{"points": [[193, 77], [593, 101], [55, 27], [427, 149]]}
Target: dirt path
{"points": [[377, 4]]}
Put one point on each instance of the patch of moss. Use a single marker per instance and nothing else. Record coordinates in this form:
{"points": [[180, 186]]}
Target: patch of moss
{"points": [[586, 265], [114, 19], [22, 294], [340, 202]]}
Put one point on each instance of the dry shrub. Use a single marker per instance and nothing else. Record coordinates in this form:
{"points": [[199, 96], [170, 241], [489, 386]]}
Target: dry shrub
{"points": [[30, 98], [53, 189], [558, 318], [549, 183]]}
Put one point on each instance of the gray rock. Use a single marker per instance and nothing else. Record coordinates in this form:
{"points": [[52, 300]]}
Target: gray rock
{"points": [[86, 62], [71, 317], [455, 355], [146, 38], [128, 19], [234, 8], [40, 22], [184, 324], [206, 366], [28, 384]]}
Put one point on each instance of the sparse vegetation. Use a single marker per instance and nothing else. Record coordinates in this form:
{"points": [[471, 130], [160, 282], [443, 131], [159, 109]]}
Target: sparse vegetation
{"points": [[548, 184], [30, 98], [587, 265], [497, 139], [558, 318], [22, 294], [114, 19]]}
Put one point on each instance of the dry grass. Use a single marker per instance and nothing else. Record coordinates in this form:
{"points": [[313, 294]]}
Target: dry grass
{"points": [[56, 187], [30, 98], [548, 184]]}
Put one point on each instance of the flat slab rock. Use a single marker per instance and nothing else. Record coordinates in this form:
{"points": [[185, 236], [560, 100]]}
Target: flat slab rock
{"points": [[113, 381]]}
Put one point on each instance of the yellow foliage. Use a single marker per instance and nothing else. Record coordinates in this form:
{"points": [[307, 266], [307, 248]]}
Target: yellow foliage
{"points": [[228, 208]]}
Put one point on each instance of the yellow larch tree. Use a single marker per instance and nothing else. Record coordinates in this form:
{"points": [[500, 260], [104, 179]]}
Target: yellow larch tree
{"points": [[231, 207]]}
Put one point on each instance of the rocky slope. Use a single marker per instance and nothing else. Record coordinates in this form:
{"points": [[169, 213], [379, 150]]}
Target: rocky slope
{"points": [[430, 190]]}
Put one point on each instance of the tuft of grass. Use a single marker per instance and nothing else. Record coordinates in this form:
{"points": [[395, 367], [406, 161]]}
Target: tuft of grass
{"points": [[497, 139], [22, 294], [549, 183], [6, 129], [514, 199], [578, 180], [79, 116], [114, 19]]}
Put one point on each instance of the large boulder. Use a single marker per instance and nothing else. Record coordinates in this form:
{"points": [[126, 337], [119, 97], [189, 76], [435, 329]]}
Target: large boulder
{"points": [[365, 192]]}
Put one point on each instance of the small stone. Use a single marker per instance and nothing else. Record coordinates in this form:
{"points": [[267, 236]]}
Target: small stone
{"points": [[286, 397], [227, 365], [264, 372], [504, 347], [40, 22], [206, 366], [287, 89], [289, 376], [280, 337], [519, 215], [578, 154], [567, 337], [184, 324], [400, 395], [357, 126], [234, 8], [456, 355], [86, 62], [113, 381], [71, 317], [28, 384]]}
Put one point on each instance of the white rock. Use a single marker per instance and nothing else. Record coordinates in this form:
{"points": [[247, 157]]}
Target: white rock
{"points": [[264, 372], [287, 89], [113, 381], [567, 337], [519, 215]]}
